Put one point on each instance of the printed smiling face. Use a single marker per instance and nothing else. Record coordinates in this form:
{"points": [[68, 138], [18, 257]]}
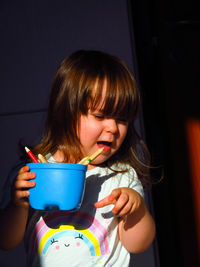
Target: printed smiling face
{"points": [[97, 130], [65, 249]]}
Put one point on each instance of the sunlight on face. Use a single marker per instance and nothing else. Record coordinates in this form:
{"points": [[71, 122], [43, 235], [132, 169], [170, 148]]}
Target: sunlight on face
{"points": [[97, 130]]}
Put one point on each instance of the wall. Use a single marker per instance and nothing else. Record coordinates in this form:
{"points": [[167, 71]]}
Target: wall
{"points": [[35, 37]]}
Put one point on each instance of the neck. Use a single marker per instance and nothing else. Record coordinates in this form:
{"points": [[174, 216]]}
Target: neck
{"points": [[58, 156]]}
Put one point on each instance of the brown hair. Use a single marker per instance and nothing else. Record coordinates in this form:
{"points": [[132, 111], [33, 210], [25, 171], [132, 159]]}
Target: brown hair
{"points": [[77, 87]]}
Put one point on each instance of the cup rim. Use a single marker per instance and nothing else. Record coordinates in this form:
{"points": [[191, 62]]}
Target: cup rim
{"points": [[55, 165]]}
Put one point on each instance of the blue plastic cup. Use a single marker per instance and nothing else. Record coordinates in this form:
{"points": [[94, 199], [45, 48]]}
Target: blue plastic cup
{"points": [[58, 186]]}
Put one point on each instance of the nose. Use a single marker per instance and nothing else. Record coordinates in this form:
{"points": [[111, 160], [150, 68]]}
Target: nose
{"points": [[111, 126]]}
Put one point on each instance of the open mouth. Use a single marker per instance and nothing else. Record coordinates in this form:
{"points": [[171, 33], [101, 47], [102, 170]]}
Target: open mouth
{"points": [[106, 145]]}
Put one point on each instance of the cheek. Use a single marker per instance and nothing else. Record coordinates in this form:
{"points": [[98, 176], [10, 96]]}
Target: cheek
{"points": [[122, 132], [88, 130]]}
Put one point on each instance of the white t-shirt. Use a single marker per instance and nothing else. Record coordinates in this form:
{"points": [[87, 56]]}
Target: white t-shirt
{"points": [[84, 238]]}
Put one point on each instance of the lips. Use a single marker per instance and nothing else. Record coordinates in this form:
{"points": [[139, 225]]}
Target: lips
{"points": [[105, 144]]}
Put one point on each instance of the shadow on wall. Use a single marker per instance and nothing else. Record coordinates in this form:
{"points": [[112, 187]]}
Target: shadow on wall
{"points": [[36, 37]]}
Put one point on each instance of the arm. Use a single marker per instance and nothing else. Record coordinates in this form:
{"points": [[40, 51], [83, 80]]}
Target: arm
{"points": [[136, 226], [14, 217]]}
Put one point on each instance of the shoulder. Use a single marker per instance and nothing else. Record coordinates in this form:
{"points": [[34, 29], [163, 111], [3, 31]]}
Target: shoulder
{"points": [[125, 170], [120, 175], [127, 173], [129, 178]]}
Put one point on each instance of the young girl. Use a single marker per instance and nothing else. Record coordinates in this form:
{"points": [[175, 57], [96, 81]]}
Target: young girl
{"points": [[93, 104]]}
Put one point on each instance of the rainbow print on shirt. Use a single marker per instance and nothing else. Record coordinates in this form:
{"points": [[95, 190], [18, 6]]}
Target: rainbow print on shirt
{"points": [[70, 233]]}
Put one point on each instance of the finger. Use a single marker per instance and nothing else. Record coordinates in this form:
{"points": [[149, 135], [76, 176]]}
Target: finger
{"points": [[19, 194], [24, 169], [103, 202], [125, 210], [20, 184], [26, 176], [21, 198], [111, 199], [115, 194], [121, 203]]}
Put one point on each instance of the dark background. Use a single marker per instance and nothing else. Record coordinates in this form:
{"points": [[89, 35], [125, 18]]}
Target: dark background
{"points": [[159, 41], [167, 35]]}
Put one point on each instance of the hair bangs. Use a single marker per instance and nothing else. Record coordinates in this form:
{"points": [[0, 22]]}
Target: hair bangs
{"points": [[120, 99]]}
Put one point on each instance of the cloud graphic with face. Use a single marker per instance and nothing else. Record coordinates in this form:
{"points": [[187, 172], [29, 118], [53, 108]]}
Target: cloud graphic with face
{"points": [[71, 238], [65, 246]]}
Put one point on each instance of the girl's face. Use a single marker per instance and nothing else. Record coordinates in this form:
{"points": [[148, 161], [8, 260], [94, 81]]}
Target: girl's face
{"points": [[97, 131]]}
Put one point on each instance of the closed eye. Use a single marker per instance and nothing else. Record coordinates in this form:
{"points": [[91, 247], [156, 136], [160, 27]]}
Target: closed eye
{"points": [[98, 116], [53, 241], [122, 120], [79, 236]]}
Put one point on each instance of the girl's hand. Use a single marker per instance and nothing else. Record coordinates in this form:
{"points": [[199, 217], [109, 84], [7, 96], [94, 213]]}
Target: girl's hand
{"points": [[125, 200], [136, 226], [21, 185]]}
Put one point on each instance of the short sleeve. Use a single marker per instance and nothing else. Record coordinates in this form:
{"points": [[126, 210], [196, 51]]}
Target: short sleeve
{"points": [[134, 182]]}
